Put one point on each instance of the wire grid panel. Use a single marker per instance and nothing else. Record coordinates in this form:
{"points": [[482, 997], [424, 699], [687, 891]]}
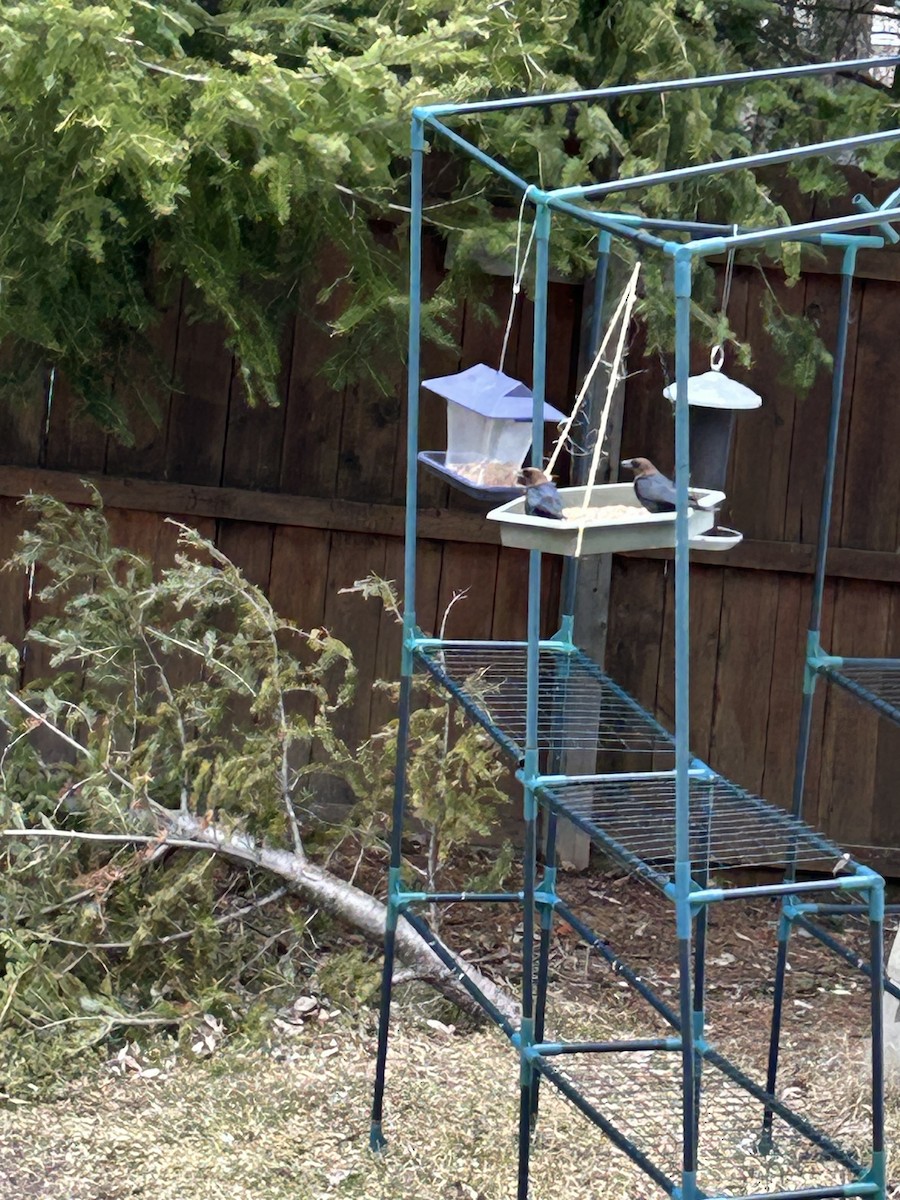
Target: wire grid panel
{"points": [[579, 707], [640, 1093], [729, 828], [877, 685]]}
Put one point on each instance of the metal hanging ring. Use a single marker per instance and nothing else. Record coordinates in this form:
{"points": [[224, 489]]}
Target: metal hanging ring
{"points": [[716, 358]]}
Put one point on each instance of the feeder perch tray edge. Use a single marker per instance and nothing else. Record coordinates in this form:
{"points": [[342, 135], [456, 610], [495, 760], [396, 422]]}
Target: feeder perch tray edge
{"points": [[641, 532]]}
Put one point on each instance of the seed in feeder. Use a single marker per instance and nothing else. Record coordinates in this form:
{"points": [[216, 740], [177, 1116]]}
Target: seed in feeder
{"points": [[607, 514], [489, 473]]}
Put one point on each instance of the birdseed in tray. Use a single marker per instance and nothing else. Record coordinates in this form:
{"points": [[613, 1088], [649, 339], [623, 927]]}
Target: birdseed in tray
{"points": [[606, 514], [488, 474]]}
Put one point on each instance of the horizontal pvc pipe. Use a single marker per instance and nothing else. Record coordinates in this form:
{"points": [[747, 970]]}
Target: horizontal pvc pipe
{"points": [[458, 897], [845, 883], [862, 241], [741, 163], [854, 960], [587, 935], [822, 1193], [505, 743], [601, 838], [610, 224], [862, 693], [831, 910], [781, 1109], [881, 664], [675, 226], [549, 1049], [789, 233], [664, 85]]}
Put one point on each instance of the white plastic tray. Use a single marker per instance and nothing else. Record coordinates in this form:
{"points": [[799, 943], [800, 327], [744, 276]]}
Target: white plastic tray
{"points": [[725, 539], [642, 532]]}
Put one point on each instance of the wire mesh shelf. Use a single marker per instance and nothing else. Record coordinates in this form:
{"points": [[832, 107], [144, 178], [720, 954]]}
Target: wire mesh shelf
{"points": [[579, 707], [876, 682], [640, 1093], [633, 820]]}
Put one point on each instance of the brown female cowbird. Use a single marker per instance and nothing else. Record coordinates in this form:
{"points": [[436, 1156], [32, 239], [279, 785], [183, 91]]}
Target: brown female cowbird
{"points": [[654, 490], [541, 497]]}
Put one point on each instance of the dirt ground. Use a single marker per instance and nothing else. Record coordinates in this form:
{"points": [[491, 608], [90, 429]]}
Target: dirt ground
{"points": [[289, 1120]]}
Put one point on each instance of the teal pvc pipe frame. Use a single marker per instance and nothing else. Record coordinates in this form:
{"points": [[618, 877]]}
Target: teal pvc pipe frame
{"points": [[683, 883], [688, 899], [690, 83]]}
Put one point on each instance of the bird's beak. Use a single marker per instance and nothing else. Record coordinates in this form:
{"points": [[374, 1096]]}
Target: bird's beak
{"points": [[627, 462]]}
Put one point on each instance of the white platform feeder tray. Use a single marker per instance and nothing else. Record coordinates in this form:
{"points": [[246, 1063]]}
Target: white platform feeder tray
{"points": [[641, 532]]}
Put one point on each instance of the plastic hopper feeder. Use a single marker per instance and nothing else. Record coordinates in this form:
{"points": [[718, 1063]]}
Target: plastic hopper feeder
{"points": [[488, 432]]}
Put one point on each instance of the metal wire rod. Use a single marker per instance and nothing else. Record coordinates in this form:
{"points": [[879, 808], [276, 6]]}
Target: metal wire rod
{"points": [[434, 943], [460, 897], [844, 952], [615, 1136], [787, 1115]]}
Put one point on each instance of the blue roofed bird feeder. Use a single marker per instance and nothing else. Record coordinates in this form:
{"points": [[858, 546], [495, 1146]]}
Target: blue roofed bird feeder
{"points": [[488, 432]]}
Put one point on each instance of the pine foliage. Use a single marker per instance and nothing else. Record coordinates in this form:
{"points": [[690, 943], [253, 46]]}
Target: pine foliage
{"points": [[230, 141], [173, 692]]}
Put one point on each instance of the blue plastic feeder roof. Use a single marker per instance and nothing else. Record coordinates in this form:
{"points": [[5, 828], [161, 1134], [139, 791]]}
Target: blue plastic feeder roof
{"points": [[489, 393], [488, 432]]}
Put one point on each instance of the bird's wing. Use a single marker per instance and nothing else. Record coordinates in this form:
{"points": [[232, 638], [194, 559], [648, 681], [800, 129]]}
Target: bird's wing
{"points": [[655, 488], [550, 500]]}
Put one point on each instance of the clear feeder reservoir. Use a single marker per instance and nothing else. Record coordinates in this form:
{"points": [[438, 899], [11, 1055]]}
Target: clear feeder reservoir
{"points": [[488, 432]]}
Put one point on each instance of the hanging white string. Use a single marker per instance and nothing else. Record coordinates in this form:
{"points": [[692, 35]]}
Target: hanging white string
{"points": [[612, 383], [589, 377], [717, 352], [518, 273]]}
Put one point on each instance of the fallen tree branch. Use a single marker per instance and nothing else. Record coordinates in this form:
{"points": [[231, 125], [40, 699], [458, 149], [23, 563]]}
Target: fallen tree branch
{"points": [[352, 906], [342, 900]]}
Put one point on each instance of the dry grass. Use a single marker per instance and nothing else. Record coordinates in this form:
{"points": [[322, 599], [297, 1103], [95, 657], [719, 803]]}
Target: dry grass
{"points": [[290, 1121], [292, 1124]]}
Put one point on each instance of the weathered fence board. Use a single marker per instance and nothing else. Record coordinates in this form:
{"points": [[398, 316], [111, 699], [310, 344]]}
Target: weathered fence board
{"points": [[309, 497], [749, 627]]}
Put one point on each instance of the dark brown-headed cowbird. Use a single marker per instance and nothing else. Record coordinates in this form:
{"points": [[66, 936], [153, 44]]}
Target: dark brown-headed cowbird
{"points": [[541, 497], [654, 490]]}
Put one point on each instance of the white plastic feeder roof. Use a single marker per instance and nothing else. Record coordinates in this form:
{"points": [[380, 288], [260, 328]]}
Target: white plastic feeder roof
{"points": [[713, 389], [489, 393]]}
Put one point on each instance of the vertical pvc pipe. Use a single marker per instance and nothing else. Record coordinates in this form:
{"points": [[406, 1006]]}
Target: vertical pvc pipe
{"points": [[683, 282], [699, 1015], [876, 947], [413, 373], [815, 614], [376, 1135], [837, 391], [531, 765], [766, 1144], [540, 999], [809, 678]]}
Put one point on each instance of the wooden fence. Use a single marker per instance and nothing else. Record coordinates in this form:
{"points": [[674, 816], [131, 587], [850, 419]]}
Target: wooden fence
{"points": [[308, 497], [750, 608]]}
